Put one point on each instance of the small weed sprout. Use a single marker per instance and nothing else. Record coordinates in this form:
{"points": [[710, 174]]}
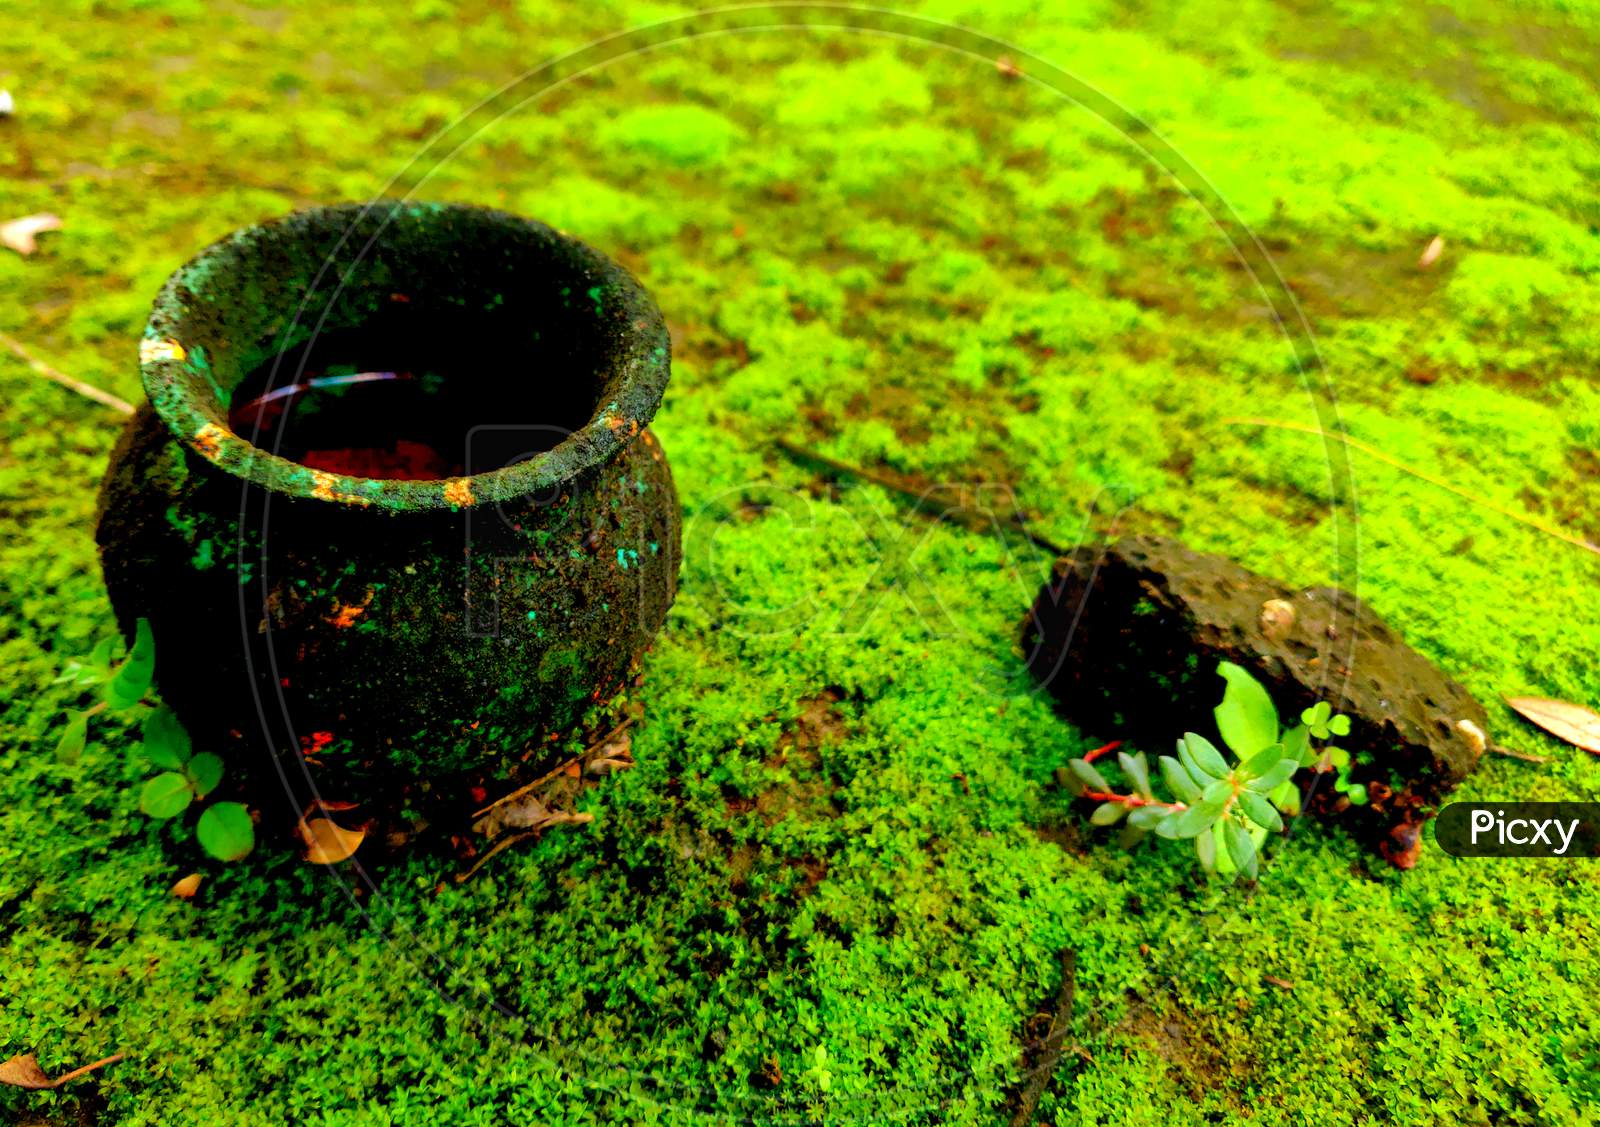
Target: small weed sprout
{"points": [[224, 829], [817, 1072], [1227, 808]]}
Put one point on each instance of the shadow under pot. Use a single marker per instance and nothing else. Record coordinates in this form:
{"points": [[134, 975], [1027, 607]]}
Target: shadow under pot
{"points": [[392, 509]]}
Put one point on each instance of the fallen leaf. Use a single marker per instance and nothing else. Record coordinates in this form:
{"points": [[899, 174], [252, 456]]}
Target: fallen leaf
{"points": [[1431, 253], [1578, 725], [615, 755], [19, 233], [23, 1071], [327, 842], [526, 814], [187, 887]]}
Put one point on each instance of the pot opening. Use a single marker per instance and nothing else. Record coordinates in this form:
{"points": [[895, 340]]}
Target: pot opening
{"points": [[416, 398], [411, 356]]}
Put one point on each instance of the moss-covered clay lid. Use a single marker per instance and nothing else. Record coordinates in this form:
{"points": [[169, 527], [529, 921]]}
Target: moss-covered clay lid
{"points": [[272, 287]]}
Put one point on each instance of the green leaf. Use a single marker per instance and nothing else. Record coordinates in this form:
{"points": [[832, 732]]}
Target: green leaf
{"points": [[1108, 814], [1240, 847], [1086, 774], [1339, 725], [1297, 745], [70, 746], [1205, 848], [1262, 762], [1205, 755], [1146, 817], [1137, 768], [130, 683], [1260, 811], [79, 675], [1274, 777], [1219, 791], [1225, 865], [226, 831], [205, 772], [1178, 780], [166, 796], [100, 657], [1338, 756], [166, 744], [1286, 797], [1317, 715], [1357, 794], [1246, 717], [1194, 820]]}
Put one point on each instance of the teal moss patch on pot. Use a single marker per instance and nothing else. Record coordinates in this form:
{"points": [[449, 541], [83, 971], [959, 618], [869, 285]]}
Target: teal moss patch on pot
{"points": [[392, 628]]}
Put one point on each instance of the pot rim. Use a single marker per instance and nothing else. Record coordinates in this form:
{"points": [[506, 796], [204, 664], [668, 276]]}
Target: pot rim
{"points": [[175, 374]]}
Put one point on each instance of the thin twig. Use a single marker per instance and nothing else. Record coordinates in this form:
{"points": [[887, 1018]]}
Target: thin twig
{"points": [[1526, 757], [86, 1069], [548, 775], [506, 842], [52, 373], [1472, 498], [1060, 1022], [919, 501]]}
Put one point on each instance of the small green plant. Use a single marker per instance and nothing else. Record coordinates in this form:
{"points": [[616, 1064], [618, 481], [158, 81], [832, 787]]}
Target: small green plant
{"points": [[224, 829], [1226, 808], [817, 1072], [1322, 722]]}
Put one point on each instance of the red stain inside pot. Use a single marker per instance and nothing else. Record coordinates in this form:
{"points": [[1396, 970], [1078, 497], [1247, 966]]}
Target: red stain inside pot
{"points": [[411, 397], [364, 424]]}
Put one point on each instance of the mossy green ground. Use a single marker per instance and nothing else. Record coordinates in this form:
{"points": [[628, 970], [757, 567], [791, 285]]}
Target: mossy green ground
{"points": [[899, 257]]}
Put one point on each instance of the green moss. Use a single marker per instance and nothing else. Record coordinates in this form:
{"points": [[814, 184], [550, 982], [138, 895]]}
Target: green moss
{"points": [[675, 135], [896, 255]]}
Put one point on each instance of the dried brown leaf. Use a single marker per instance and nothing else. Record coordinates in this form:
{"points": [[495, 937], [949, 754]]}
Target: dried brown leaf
{"points": [[187, 887], [1577, 725], [613, 756], [23, 1071], [327, 842], [19, 233]]}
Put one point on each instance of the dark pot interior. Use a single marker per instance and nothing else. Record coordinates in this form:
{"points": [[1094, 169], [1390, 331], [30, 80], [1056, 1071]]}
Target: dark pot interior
{"points": [[511, 325]]}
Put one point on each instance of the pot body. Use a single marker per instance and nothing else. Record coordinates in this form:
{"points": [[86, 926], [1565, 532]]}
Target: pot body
{"points": [[373, 641], [386, 628]]}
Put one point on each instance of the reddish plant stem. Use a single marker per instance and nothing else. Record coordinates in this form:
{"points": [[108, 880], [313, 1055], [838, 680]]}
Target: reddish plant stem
{"points": [[1099, 751], [1131, 799]]}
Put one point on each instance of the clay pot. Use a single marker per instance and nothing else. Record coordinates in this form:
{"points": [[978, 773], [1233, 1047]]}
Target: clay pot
{"points": [[388, 627]]}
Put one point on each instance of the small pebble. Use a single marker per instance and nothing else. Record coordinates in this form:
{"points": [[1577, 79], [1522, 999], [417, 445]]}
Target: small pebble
{"points": [[1277, 619]]}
